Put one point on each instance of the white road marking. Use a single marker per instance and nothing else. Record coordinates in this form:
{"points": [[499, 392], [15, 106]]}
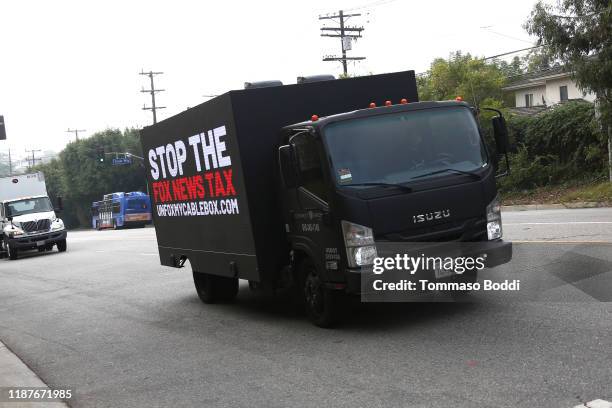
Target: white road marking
{"points": [[598, 403], [543, 241], [558, 223]]}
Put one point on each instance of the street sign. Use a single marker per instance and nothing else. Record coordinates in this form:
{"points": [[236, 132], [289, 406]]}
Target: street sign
{"points": [[2, 130], [121, 161]]}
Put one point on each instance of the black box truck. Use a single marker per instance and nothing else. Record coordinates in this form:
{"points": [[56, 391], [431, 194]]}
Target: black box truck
{"points": [[296, 184]]}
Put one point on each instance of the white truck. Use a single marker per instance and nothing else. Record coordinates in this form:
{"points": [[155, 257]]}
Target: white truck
{"points": [[27, 217]]}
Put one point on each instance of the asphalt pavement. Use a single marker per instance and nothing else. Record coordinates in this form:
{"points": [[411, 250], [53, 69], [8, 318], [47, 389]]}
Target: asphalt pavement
{"points": [[108, 320]]}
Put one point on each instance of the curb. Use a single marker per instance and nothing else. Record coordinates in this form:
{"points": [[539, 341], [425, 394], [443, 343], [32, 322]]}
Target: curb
{"points": [[14, 373], [537, 207]]}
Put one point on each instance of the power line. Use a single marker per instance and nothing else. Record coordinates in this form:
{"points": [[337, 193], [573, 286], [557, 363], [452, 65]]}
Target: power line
{"points": [[488, 28], [513, 52], [76, 132], [582, 16], [420, 74], [153, 108], [346, 34]]}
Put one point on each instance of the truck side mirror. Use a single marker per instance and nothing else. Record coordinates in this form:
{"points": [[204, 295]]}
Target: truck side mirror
{"points": [[10, 219], [500, 131], [287, 166], [60, 205]]}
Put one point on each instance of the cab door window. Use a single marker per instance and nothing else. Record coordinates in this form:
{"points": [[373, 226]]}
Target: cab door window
{"points": [[309, 164]]}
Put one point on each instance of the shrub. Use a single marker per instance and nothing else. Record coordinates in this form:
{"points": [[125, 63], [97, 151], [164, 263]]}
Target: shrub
{"points": [[555, 146]]}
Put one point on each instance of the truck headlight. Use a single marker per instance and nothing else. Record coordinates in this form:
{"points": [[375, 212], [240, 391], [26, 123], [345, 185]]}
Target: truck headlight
{"points": [[13, 231], [57, 224], [359, 243], [494, 221]]}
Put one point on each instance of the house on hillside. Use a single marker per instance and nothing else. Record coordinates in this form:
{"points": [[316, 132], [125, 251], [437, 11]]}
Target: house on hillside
{"points": [[538, 90]]}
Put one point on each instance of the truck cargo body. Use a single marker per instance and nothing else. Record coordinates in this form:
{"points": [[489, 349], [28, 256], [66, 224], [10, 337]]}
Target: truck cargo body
{"points": [[238, 229]]}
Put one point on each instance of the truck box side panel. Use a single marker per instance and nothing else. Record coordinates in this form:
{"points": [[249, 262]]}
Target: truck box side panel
{"points": [[200, 213], [24, 185], [261, 113]]}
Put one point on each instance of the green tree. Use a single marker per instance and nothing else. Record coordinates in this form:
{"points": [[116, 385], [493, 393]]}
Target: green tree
{"points": [[80, 178], [462, 75], [579, 33], [512, 68], [537, 59]]}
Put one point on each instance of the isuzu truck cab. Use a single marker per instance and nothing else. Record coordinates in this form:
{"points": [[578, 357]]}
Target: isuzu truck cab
{"points": [[28, 220], [303, 185]]}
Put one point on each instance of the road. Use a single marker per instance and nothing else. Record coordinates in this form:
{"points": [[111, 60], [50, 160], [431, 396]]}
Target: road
{"points": [[107, 319]]}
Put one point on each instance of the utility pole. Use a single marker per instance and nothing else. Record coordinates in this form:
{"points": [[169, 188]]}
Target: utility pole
{"points": [[76, 132], [152, 91], [604, 127], [345, 33], [33, 160], [10, 164], [610, 152]]}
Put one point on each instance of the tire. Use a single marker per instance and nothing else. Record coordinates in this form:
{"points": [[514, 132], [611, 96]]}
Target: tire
{"points": [[13, 253], [322, 304], [213, 288], [61, 245]]}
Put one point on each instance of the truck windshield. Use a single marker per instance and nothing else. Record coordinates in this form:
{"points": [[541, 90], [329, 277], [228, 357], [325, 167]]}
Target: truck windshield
{"points": [[28, 206], [399, 148]]}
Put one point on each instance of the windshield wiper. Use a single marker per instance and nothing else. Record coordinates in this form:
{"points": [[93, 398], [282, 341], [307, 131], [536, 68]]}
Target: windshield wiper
{"points": [[398, 186], [467, 173]]}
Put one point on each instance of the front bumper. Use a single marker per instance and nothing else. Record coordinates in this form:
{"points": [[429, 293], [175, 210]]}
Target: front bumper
{"points": [[37, 240], [496, 253]]}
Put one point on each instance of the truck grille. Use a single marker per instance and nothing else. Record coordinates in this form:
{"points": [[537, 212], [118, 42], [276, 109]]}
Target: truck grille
{"points": [[36, 226], [472, 229]]}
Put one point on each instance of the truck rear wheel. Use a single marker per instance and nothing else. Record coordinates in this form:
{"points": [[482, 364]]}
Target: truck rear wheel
{"points": [[61, 245], [213, 288], [322, 304]]}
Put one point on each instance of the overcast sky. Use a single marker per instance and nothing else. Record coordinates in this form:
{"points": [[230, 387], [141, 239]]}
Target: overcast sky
{"points": [[75, 64]]}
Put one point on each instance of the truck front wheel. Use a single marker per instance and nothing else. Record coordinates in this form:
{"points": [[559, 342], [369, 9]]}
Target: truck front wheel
{"points": [[322, 304], [61, 245], [13, 253], [213, 288]]}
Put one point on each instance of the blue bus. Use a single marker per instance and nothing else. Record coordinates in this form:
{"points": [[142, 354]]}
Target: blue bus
{"points": [[119, 210]]}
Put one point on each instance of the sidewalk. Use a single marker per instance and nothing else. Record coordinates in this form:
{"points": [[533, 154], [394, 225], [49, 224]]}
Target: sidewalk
{"points": [[535, 207], [14, 373]]}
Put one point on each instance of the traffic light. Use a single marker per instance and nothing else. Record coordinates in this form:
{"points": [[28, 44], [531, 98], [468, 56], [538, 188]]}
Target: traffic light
{"points": [[100, 155], [2, 130]]}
